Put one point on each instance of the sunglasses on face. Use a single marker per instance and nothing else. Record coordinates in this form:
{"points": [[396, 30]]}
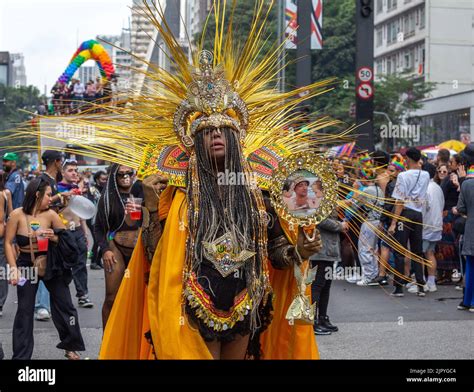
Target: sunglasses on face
{"points": [[442, 171], [126, 174]]}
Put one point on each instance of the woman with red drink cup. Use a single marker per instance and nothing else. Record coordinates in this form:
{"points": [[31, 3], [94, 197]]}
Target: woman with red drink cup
{"points": [[34, 226], [116, 228]]}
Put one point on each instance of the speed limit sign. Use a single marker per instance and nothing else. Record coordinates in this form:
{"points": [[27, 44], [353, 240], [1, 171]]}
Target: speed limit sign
{"points": [[365, 74]]}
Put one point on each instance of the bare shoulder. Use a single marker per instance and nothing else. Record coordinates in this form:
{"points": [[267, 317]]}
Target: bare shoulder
{"points": [[17, 212]]}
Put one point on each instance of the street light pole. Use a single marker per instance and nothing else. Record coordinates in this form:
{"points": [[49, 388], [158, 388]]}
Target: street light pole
{"points": [[390, 142], [365, 73], [281, 39]]}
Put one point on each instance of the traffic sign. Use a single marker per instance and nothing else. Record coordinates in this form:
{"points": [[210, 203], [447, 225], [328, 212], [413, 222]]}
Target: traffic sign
{"points": [[365, 91], [365, 74]]}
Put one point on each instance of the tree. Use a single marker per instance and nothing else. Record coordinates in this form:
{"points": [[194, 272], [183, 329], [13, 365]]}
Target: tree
{"points": [[242, 20], [335, 59], [16, 105], [398, 96]]}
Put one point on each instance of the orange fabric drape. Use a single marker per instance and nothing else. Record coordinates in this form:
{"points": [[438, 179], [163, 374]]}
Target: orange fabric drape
{"points": [[138, 309], [128, 321], [282, 340]]}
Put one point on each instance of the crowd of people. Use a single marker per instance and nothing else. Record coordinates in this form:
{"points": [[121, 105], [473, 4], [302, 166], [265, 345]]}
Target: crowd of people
{"points": [[408, 223], [37, 207], [78, 96]]}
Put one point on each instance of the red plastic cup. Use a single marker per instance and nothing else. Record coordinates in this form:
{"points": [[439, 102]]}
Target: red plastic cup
{"points": [[42, 244], [136, 215], [136, 205]]}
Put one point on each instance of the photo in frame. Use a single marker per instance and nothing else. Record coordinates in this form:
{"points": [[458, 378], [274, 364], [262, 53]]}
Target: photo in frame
{"points": [[304, 189]]}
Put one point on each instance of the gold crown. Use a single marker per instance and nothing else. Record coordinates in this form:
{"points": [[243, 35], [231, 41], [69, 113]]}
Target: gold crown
{"points": [[211, 102]]}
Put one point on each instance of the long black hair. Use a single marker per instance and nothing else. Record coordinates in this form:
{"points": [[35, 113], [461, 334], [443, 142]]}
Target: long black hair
{"points": [[215, 209], [31, 201], [111, 209]]}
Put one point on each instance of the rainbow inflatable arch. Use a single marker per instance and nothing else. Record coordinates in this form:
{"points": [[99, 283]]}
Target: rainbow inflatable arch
{"points": [[89, 50]]}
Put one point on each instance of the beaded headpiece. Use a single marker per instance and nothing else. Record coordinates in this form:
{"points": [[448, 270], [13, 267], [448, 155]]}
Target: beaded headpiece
{"points": [[211, 102]]}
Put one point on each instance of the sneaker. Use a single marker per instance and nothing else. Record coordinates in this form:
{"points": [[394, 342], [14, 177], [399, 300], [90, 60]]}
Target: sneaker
{"points": [[320, 330], [95, 267], [471, 309], [431, 287], [414, 289], [42, 315], [398, 292], [458, 287], [421, 292], [381, 280], [456, 276], [461, 306], [85, 302], [353, 279], [410, 284], [363, 282], [326, 323]]}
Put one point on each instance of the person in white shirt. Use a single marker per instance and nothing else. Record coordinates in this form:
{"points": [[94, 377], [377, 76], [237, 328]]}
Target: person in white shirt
{"points": [[78, 93], [410, 194], [432, 224]]}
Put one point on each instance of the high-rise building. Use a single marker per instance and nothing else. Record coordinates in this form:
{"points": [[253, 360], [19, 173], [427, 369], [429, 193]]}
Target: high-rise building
{"points": [[123, 62], [86, 73], [12, 69], [4, 68], [18, 73], [431, 40], [118, 48], [196, 14], [142, 35], [185, 19]]}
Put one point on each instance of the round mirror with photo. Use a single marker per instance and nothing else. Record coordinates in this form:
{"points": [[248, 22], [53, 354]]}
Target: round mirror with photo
{"points": [[304, 189], [302, 193]]}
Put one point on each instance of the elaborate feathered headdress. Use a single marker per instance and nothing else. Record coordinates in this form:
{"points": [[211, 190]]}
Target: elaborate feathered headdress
{"points": [[233, 84]]}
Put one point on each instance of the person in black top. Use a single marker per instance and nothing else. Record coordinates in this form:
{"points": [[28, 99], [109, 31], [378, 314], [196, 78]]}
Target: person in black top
{"points": [[52, 160], [115, 232], [25, 225], [93, 194], [52, 175]]}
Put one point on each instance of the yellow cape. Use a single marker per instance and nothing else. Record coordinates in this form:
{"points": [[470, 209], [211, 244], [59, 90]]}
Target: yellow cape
{"points": [[138, 308]]}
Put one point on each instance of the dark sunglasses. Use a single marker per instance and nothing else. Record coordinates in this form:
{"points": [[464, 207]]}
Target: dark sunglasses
{"points": [[442, 171], [122, 175]]}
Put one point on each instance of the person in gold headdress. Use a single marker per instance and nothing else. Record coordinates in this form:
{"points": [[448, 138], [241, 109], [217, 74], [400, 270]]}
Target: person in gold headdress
{"points": [[213, 274]]}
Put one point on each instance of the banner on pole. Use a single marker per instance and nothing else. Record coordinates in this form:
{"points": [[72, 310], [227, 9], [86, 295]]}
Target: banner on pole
{"points": [[291, 24]]}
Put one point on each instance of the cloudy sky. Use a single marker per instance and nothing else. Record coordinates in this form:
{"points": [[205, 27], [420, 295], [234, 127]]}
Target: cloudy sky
{"points": [[48, 32]]}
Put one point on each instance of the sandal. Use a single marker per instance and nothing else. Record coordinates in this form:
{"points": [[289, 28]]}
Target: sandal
{"points": [[72, 355]]}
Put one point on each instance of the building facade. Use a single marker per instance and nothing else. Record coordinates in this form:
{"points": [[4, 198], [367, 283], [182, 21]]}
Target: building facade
{"points": [[85, 73], [12, 69], [432, 41], [185, 18]]}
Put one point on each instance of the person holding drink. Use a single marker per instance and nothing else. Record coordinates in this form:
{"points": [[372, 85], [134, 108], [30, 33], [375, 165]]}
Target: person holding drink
{"points": [[78, 228], [116, 228], [36, 227]]}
